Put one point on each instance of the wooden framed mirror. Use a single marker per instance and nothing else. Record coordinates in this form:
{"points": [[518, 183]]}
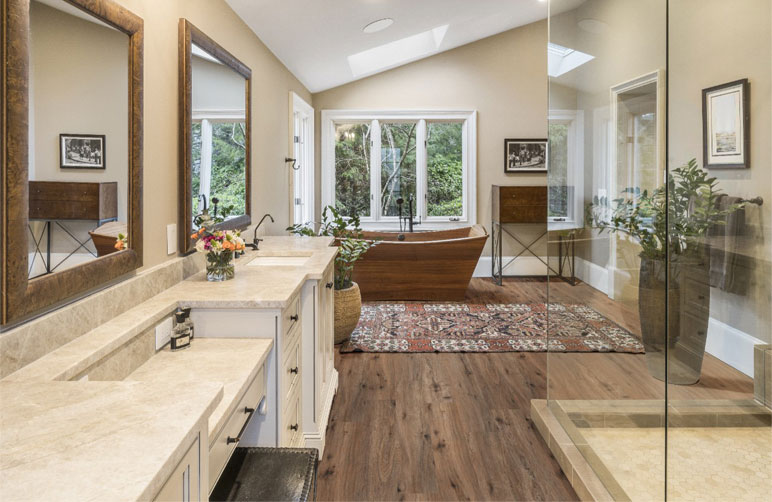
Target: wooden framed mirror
{"points": [[71, 150], [215, 139]]}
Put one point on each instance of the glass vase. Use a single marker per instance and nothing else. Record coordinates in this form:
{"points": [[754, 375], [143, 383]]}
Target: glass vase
{"points": [[220, 268]]}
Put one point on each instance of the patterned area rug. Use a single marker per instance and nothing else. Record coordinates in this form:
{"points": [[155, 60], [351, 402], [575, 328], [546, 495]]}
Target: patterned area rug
{"points": [[461, 327]]}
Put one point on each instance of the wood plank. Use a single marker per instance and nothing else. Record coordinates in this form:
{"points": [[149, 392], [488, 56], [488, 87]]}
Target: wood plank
{"points": [[457, 426]]}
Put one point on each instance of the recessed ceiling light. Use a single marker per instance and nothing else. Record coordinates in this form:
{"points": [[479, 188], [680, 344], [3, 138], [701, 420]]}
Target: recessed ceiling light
{"points": [[378, 25]]}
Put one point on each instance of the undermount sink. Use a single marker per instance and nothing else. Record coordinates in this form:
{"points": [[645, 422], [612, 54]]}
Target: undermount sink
{"points": [[283, 259]]}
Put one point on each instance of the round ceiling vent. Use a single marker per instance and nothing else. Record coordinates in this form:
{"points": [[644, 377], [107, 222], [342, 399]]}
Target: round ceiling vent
{"points": [[378, 25]]}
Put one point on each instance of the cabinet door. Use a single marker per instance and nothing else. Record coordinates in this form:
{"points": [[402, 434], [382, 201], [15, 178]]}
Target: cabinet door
{"points": [[184, 483]]}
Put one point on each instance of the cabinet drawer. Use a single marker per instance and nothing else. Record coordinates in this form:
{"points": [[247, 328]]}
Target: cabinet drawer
{"points": [[290, 376], [220, 450], [523, 196], [290, 430], [290, 317], [523, 214], [289, 338]]}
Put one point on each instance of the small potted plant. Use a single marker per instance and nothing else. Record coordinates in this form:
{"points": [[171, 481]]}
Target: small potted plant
{"points": [[670, 224], [351, 246], [219, 246]]}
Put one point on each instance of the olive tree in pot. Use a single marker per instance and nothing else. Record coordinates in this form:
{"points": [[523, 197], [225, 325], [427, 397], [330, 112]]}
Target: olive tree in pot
{"points": [[351, 246], [670, 224]]}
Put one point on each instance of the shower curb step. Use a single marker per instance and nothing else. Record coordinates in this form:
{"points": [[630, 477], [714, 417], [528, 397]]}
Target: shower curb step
{"points": [[585, 482]]}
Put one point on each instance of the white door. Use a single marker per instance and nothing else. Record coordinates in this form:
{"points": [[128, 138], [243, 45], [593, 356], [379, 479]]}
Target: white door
{"points": [[303, 153]]}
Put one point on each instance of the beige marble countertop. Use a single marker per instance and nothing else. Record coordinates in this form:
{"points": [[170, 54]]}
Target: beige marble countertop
{"points": [[96, 440], [232, 362], [252, 288]]}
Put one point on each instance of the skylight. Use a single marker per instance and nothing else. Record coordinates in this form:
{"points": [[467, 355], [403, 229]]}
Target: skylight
{"points": [[397, 52], [562, 60]]}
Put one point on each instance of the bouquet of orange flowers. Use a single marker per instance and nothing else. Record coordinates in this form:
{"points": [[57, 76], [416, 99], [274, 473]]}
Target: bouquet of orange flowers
{"points": [[121, 242], [219, 247]]}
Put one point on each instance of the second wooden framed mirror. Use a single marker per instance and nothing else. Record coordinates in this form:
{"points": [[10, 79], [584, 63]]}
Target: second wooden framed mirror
{"points": [[215, 125]]}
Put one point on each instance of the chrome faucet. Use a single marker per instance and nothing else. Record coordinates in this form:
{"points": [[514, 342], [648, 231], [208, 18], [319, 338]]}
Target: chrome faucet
{"points": [[255, 240]]}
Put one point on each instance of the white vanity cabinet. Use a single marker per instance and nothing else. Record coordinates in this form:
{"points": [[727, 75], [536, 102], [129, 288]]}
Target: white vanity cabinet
{"points": [[184, 484], [278, 422], [320, 379]]}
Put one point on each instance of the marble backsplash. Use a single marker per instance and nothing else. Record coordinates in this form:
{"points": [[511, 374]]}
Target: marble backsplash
{"points": [[30, 341]]}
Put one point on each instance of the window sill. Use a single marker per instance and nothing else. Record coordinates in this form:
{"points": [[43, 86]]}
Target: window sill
{"points": [[382, 226], [553, 226]]}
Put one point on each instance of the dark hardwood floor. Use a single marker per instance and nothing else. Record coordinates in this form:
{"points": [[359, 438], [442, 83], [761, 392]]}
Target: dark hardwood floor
{"points": [[457, 426]]}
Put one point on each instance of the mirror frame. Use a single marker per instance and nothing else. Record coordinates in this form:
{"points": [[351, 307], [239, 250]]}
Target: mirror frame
{"points": [[23, 297], [189, 35]]}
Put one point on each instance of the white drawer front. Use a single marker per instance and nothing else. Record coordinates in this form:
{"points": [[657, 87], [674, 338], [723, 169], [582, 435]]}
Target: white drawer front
{"points": [[291, 420], [290, 316], [220, 449], [291, 370]]}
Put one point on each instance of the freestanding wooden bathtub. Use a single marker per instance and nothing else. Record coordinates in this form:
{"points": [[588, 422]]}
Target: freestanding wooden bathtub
{"points": [[433, 265]]}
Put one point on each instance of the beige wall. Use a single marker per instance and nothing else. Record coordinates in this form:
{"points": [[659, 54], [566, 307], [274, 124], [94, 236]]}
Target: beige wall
{"points": [[271, 84], [713, 42], [79, 86], [503, 77]]}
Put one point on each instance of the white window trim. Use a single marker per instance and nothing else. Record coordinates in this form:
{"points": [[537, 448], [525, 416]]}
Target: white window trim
{"points": [[575, 167], [469, 160], [306, 111]]}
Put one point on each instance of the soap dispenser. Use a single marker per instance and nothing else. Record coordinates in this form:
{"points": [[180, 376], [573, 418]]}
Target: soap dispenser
{"points": [[189, 322], [180, 338]]}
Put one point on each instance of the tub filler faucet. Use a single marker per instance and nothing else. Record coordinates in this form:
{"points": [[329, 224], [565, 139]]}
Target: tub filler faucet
{"points": [[409, 218]]}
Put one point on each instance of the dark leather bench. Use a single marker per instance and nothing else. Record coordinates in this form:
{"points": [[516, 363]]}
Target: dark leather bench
{"points": [[268, 474]]}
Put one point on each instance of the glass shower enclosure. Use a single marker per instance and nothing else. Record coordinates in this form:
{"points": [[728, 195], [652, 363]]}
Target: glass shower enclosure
{"points": [[660, 189]]}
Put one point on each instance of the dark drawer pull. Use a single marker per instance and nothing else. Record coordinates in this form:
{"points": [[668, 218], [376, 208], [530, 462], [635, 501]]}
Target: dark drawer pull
{"points": [[249, 411], [294, 427], [294, 370], [328, 285], [294, 317]]}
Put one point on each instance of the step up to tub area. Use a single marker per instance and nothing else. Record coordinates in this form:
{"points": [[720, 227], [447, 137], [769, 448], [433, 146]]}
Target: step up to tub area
{"points": [[259, 372]]}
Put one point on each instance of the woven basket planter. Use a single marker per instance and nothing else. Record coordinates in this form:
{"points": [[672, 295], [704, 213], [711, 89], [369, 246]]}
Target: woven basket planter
{"points": [[348, 307]]}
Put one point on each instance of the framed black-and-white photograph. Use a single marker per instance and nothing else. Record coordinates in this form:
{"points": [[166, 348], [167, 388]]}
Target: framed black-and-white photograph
{"points": [[525, 155], [82, 151], [726, 120]]}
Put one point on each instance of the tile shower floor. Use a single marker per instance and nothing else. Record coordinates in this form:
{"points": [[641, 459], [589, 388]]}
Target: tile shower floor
{"points": [[704, 463]]}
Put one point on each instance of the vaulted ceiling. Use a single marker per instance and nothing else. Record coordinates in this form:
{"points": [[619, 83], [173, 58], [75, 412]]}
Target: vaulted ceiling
{"points": [[323, 43]]}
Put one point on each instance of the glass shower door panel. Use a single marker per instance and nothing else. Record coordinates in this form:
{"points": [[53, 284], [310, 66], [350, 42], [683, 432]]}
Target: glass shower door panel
{"points": [[606, 62], [719, 362]]}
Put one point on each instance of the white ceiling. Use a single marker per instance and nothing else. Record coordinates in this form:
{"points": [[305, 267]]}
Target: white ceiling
{"points": [[313, 38]]}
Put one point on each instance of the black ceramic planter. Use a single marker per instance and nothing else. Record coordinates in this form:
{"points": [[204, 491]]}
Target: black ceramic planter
{"points": [[674, 320]]}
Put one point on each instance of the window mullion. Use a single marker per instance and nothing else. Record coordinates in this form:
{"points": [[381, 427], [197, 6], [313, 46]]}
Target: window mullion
{"points": [[375, 170], [421, 169]]}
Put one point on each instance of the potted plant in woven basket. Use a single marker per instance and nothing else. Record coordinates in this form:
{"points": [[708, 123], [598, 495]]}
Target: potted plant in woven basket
{"points": [[351, 247], [670, 224]]}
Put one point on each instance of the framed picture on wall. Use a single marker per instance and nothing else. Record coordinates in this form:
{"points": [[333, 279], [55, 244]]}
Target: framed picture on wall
{"points": [[82, 151], [525, 155], [726, 120]]}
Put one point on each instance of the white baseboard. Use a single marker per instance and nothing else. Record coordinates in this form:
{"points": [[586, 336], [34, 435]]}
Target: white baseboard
{"points": [[523, 265], [317, 439], [731, 345], [592, 274]]}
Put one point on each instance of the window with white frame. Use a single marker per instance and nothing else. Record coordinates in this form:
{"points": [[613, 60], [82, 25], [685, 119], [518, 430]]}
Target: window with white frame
{"points": [[218, 148], [565, 168], [370, 160]]}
